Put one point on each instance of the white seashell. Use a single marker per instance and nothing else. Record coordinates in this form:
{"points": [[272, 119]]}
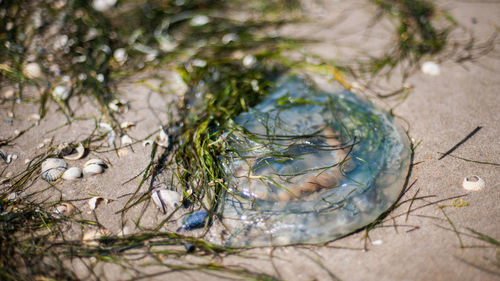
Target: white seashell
{"points": [[13, 196], [120, 55], [95, 161], [473, 183], [32, 70], [162, 138], [53, 168], [199, 20], [126, 124], [103, 5], [94, 202], [72, 173], [118, 105], [430, 68], [64, 209], [230, 37], [126, 140], [199, 63], [93, 169], [249, 61], [60, 93], [164, 197], [80, 151]]}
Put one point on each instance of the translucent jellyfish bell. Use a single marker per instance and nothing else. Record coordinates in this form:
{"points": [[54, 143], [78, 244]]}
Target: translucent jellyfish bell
{"points": [[306, 166]]}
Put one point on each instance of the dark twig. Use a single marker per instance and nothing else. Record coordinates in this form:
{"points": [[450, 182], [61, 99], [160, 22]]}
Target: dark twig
{"points": [[461, 142]]}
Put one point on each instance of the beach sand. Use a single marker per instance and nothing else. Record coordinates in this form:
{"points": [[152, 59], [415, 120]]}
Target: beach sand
{"points": [[418, 240]]}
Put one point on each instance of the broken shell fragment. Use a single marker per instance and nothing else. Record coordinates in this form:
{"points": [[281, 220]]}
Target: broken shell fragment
{"points": [[72, 173], [162, 138], [76, 153], [64, 209], [94, 167], [473, 183], [53, 168], [164, 197], [94, 202]]}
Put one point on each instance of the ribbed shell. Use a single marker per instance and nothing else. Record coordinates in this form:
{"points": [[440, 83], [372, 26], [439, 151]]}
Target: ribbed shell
{"points": [[53, 168]]}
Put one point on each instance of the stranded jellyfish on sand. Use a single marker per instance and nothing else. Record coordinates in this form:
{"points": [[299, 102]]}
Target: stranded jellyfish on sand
{"points": [[306, 166]]}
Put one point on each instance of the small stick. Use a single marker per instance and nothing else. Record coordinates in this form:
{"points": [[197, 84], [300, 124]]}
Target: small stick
{"points": [[461, 142]]}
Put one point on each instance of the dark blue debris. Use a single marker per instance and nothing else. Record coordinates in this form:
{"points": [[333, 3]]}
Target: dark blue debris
{"points": [[189, 247], [195, 220], [10, 121]]}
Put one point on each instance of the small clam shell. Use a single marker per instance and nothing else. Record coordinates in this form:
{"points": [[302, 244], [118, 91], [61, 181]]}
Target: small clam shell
{"points": [[473, 183], [93, 169], [72, 173], [95, 161], [32, 70], [164, 197], [80, 151], [53, 168], [65, 209]]}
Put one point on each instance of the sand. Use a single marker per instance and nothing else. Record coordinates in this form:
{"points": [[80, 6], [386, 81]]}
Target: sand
{"points": [[438, 113]]}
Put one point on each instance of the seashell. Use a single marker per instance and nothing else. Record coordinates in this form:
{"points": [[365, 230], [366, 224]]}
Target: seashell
{"points": [[32, 70], [162, 138], [126, 124], [13, 196], [103, 5], [199, 20], [164, 197], [80, 151], [95, 161], [118, 105], [72, 173], [11, 157], [93, 169], [61, 93], [249, 61], [92, 237], [126, 140], [430, 68], [53, 168], [120, 55], [94, 202], [195, 220], [473, 183], [64, 209]]}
